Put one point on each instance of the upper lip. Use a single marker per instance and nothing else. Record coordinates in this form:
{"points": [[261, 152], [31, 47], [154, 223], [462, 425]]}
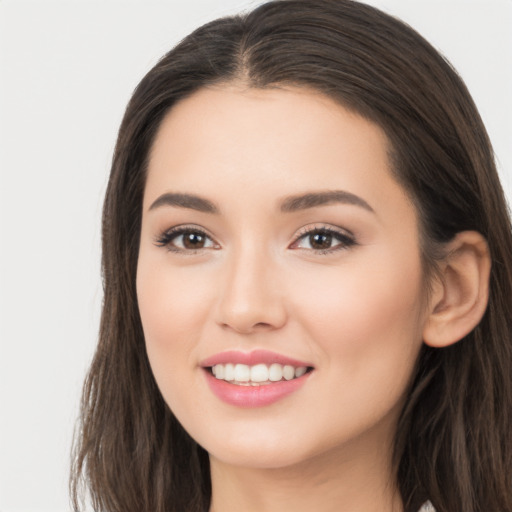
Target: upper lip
{"points": [[251, 358]]}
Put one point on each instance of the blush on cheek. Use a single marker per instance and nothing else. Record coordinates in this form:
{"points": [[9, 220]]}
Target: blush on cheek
{"points": [[360, 309], [169, 301], [172, 307]]}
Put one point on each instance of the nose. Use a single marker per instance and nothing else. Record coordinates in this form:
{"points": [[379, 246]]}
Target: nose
{"points": [[250, 297]]}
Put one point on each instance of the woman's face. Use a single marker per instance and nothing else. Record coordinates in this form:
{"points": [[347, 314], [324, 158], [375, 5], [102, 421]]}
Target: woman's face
{"points": [[274, 242]]}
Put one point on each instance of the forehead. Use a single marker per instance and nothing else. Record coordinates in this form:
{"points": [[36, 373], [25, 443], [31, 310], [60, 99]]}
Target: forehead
{"points": [[267, 143], [232, 115]]}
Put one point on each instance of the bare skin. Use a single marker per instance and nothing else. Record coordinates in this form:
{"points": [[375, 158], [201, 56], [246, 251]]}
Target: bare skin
{"points": [[355, 480], [249, 261]]}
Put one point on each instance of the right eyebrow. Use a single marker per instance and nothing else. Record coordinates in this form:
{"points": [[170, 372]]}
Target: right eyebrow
{"points": [[189, 201], [322, 198]]}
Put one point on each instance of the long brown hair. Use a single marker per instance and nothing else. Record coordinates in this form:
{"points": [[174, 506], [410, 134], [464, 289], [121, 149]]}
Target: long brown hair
{"points": [[454, 439]]}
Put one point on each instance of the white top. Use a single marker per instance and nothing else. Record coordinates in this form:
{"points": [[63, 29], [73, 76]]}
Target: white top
{"points": [[427, 507]]}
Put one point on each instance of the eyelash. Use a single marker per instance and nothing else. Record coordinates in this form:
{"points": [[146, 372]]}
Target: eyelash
{"points": [[345, 240], [167, 238]]}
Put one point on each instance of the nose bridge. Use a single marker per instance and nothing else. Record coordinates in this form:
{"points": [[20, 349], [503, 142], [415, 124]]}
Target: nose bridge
{"points": [[250, 297]]}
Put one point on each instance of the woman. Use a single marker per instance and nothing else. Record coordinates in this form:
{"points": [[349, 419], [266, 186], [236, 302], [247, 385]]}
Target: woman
{"points": [[306, 256]]}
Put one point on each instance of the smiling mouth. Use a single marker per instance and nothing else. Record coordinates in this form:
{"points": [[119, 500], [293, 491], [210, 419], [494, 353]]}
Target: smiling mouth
{"points": [[257, 375]]}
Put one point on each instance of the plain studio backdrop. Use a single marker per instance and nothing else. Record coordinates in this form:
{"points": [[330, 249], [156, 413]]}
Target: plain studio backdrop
{"points": [[67, 69]]}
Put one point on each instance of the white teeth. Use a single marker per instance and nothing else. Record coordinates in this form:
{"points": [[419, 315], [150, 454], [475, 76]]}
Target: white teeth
{"points": [[257, 374], [229, 371], [219, 371], [242, 373], [275, 372], [300, 371], [288, 372]]}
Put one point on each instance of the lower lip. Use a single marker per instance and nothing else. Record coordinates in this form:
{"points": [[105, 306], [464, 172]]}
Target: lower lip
{"points": [[253, 396]]}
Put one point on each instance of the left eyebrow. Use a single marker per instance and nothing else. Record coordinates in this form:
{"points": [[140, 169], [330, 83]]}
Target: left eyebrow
{"points": [[189, 201], [323, 198]]}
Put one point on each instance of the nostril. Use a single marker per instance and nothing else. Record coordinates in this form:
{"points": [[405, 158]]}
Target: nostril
{"points": [[239, 326], [262, 325]]}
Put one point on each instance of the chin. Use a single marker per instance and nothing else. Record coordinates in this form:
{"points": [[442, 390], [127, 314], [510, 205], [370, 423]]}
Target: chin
{"points": [[255, 446], [258, 457]]}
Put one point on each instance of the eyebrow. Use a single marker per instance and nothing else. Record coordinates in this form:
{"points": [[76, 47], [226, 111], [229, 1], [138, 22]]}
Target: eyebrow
{"points": [[189, 201], [288, 205], [312, 199]]}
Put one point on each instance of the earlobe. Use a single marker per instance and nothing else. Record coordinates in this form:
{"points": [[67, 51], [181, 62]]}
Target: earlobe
{"points": [[461, 292]]}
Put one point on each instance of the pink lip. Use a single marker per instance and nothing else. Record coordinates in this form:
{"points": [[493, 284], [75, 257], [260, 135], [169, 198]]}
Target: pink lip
{"points": [[252, 396], [251, 358]]}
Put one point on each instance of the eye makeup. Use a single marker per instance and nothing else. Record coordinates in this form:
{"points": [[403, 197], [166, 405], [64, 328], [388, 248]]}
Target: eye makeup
{"points": [[186, 239], [323, 239], [319, 239]]}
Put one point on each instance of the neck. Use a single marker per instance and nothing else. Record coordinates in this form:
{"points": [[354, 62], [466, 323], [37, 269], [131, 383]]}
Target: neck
{"points": [[353, 479]]}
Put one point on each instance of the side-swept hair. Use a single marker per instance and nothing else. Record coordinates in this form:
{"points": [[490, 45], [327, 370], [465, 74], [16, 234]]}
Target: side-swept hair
{"points": [[453, 444]]}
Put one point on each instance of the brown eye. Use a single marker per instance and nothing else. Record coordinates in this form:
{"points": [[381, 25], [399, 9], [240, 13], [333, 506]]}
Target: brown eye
{"points": [[182, 239], [320, 241], [323, 240], [194, 240]]}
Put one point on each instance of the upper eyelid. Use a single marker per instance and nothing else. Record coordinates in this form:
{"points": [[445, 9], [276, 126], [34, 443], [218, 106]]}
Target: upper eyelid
{"points": [[180, 229], [306, 230], [345, 238], [183, 228]]}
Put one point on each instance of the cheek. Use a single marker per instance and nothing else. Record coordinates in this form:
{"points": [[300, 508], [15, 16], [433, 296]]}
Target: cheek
{"points": [[170, 300], [366, 325], [172, 307], [366, 311]]}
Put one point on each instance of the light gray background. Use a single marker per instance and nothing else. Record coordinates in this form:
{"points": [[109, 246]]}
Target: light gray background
{"points": [[67, 69]]}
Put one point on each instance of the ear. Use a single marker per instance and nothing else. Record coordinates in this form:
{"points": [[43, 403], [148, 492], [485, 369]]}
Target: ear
{"points": [[460, 294]]}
